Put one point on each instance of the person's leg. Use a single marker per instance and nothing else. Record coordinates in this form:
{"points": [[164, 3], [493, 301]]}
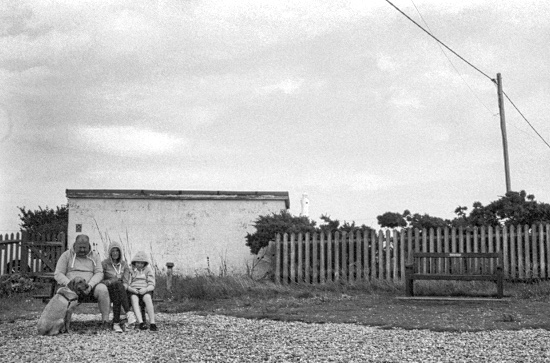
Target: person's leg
{"points": [[101, 293], [135, 306], [150, 308], [124, 301], [115, 299]]}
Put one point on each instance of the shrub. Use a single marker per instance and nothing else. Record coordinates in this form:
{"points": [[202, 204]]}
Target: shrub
{"points": [[15, 283]]}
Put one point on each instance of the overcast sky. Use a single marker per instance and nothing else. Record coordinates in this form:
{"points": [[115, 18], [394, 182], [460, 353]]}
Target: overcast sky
{"points": [[347, 101]]}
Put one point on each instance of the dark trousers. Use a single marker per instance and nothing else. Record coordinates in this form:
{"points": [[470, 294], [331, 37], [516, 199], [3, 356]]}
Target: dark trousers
{"points": [[118, 296]]}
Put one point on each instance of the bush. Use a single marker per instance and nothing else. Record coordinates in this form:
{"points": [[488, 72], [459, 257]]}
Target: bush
{"points": [[268, 226], [15, 283]]}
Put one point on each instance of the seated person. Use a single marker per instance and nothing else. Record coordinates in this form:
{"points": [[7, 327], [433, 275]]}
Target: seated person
{"points": [[115, 271], [141, 285], [81, 261]]}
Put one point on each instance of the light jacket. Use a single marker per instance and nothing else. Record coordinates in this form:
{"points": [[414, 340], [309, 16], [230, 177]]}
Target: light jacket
{"points": [[70, 266], [144, 278], [113, 270]]}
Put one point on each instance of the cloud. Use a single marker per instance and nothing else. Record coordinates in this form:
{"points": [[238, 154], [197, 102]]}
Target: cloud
{"points": [[386, 63], [287, 86], [404, 99], [127, 140]]}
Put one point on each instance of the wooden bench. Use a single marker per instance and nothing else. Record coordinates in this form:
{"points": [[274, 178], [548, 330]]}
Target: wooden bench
{"points": [[455, 266], [46, 278]]}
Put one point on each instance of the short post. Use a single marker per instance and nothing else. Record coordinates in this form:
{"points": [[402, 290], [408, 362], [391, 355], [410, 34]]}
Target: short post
{"points": [[169, 275], [409, 287], [500, 282]]}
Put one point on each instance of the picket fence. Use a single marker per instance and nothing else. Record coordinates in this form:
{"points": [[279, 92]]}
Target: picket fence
{"points": [[352, 257], [21, 252]]}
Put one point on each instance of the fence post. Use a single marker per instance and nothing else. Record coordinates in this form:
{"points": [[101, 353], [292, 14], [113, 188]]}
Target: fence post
{"points": [[322, 276], [542, 252], [307, 256], [513, 259], [277, 260], [337, 245], [285, 259], [521, 269], [300, 264], [535, 249], [24, 252], [169, 275], [358, 264], [293, 258]]}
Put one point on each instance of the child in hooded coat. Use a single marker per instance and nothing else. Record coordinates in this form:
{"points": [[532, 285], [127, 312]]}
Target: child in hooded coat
{"points": [[115, 272], [141, 284]]}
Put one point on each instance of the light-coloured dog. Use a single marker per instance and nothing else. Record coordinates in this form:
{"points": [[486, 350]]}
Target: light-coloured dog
{"points": [[56, 317]]}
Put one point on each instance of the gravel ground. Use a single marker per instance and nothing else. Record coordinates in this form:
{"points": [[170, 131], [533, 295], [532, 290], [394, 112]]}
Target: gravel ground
{"points": [[215, 338]]}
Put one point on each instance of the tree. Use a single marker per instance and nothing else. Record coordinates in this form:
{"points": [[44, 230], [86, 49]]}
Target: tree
{"points": [[283, 222], [269, 225], [392, 219], [408, 220], [44, 221], [514, 208]]}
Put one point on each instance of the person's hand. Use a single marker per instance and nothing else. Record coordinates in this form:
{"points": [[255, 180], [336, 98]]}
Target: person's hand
{"points": [[142, 291], [88, 290]]}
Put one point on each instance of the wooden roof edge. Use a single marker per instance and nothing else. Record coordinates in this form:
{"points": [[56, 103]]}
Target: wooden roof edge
{"points": [[178, 194]]}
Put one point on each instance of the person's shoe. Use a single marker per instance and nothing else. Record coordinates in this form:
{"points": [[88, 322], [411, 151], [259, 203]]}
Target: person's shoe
{"points": [[131, 317], [142, 326], [153, 327], [117, 328], [105, 325]]}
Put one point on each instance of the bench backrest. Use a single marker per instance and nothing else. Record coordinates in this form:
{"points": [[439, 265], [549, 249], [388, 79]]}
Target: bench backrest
{"points": [[456, 263]]}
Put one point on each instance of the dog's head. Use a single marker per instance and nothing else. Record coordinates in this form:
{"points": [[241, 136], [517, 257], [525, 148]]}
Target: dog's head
{"points": [[78, 285]]}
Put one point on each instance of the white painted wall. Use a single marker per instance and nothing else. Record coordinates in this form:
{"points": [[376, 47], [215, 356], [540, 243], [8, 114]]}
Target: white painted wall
{"points": [[193, 234]]}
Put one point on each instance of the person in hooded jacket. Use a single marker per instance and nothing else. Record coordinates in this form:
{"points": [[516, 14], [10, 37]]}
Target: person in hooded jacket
{"points": [[115, 273], [81, 261], [141, 284]]}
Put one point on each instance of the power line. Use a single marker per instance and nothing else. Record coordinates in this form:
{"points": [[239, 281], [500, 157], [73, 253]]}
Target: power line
{"points": [[440, 42], [517, 109], [470, 64], [452, 64]]}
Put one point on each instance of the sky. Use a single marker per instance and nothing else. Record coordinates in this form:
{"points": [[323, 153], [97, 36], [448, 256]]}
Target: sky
{"points": [[347, 101]]}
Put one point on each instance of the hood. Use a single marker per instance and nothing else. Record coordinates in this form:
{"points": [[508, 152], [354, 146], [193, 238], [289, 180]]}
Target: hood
{"points": [[118, 245], [141, 256]]}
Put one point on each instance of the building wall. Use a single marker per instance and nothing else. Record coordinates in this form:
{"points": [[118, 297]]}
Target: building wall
{"points": [[196, 235]]}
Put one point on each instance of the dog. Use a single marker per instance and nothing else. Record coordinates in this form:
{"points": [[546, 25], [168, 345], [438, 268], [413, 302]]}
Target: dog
{"points": [[56, 317]]}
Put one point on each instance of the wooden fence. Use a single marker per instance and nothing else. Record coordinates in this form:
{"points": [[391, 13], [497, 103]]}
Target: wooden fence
{"points": [[32, 254], [355, 256]]}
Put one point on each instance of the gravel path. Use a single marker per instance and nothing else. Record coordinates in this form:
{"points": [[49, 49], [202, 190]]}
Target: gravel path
{"points": [[194, 338]]}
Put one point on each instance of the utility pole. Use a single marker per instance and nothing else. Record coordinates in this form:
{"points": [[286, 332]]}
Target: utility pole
{"points": [[503, 129]]}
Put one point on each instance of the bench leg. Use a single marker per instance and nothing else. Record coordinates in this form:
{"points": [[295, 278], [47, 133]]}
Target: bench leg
{"points": [[409, 282], [500, 282]]}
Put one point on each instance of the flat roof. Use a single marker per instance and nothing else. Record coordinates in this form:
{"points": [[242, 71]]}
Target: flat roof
{"points": [[177, 194]]}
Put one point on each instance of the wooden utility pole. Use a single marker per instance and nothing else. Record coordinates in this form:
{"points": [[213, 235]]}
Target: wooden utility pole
{"points": [[503, 129]]}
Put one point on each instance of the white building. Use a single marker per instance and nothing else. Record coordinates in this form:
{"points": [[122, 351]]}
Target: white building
{"points": [[198, 231]]}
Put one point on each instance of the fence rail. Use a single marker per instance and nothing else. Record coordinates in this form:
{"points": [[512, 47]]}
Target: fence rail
{"points": [[351, 257], [21, 252]]}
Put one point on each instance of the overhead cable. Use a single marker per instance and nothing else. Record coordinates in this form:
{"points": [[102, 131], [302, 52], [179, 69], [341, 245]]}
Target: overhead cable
{"points": [[470, 64], [440, 42], [517, 109]]}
